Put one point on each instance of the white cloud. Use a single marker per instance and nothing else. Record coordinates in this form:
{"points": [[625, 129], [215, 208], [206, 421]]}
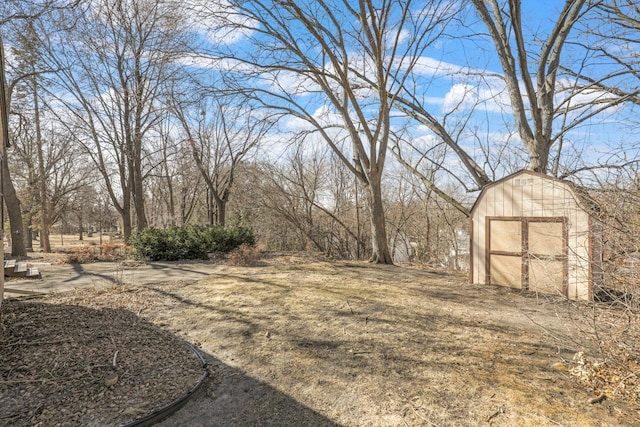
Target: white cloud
{"points": [[584, 101], [487, 95], [426, 66], [292, 83], [205, 61], [401, 37], [324, 115], [217, 21], [460, 97]]}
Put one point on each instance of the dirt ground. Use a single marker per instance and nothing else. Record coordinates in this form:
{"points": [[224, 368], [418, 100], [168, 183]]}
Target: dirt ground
{"points": [[306, 341]]}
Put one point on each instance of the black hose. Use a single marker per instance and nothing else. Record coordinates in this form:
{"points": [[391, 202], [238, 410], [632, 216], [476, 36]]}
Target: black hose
{"points": [[170, 409]]}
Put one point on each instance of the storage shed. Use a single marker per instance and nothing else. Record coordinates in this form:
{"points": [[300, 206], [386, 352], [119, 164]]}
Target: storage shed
{"points": [[533, 232]]}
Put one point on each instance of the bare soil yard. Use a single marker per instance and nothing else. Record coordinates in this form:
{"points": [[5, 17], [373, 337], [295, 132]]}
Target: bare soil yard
{"points": [[298, 340]]}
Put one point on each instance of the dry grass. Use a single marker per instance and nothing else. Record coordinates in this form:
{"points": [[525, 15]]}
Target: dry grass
{"points": [[82, 254], [362, 344], [384, 346], [68, 249], [58, 241], [243, 255]]}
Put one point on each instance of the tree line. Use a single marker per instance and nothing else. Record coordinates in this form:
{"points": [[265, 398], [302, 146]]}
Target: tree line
{"points": [[363, 130]]}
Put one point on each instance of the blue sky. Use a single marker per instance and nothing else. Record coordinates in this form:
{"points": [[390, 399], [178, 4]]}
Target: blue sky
{"points": [[459, 77]]}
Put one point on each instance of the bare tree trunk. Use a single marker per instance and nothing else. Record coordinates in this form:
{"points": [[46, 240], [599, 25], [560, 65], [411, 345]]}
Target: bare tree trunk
{"points": [[532, 94], [211, 215], [138, 198], [45, 244], [221, 207], [28, 234], [379, 241], [137, 187], [124, 211], [80, 233], [18, 248], [4, 137], [171, 203], [135, 178], [126, 218], [10, 198]]}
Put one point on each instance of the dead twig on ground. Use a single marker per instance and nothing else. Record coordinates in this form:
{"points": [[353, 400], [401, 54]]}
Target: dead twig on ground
{"points": [[598, 399], [115, 358], [554, 422], [495, 414], [422, 417], [349, 305]]}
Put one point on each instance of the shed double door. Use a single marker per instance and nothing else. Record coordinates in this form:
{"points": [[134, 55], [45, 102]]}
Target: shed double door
{"points": [[528, 253]]}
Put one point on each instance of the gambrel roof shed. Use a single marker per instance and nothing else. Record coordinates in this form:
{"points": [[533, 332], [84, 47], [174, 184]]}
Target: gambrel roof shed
{"points": [[534, 232]]}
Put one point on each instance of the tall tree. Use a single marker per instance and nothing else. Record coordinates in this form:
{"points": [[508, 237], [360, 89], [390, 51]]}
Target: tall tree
{"points": [[221, 134], [531, 72], [303, 58], [4, 139], [25, 51], [176, 181], [611, 37], [14, 209], [114, 63], [555, 77], [11, 10], [310, 191]]}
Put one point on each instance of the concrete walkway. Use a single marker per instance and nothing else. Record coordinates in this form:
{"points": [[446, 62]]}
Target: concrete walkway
{"points": [[66, 277]]}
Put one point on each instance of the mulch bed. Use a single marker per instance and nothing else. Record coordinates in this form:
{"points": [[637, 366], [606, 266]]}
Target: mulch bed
{"points": [[66, 364]]}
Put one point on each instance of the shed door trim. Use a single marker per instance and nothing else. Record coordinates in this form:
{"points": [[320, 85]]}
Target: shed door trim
{"points": [[523, 253]]}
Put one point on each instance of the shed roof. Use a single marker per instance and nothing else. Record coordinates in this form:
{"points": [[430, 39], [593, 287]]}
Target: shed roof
{"points": [[579, 196]]}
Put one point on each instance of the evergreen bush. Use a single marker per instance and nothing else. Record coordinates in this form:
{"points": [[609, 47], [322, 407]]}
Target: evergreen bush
{"points": [[188, 242]]}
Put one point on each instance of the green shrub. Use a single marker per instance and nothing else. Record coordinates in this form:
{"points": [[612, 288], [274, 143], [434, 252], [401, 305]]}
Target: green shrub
{"points": [[188, 242]]}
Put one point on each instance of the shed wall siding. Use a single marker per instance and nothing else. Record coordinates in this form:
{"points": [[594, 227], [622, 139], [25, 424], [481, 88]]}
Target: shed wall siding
{"points": [[531, 195]]}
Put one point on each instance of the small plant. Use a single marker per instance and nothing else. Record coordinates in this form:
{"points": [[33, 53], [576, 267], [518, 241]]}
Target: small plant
{"points": [[244, 255]]}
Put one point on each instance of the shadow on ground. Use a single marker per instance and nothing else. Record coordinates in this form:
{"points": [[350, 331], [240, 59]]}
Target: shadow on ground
{"points": [[229, 398], [68, 277], [55, 373]]}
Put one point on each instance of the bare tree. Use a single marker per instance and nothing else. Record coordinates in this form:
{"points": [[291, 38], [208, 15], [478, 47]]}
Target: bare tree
{"points": [[63, 167], [544, 109], [11, 10], [221, 133], [425, 226], [291, 192], [175, 186], [114, 62], [411, 102], [611, 38], [10, 198], [25, 50], [312, 56], [312, 192], [579, 73]]}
